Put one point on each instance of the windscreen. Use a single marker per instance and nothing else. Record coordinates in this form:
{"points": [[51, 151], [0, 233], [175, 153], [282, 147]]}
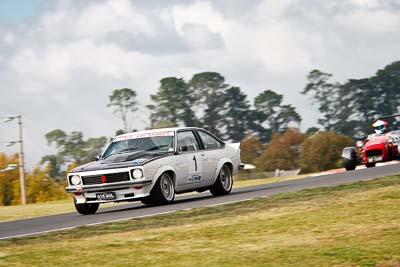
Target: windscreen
{"points": [[151, 142]]}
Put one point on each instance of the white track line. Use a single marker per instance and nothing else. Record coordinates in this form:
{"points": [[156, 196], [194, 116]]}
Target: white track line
{"points": [[124, 219], [90, 224], [136, 217], [230, 202]]}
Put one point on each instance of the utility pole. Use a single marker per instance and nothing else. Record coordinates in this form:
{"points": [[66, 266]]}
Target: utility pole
{"points": [[20, 155], [21, 162]]}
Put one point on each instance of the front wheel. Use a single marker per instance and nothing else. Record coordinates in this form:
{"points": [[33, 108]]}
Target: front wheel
{"points": [[146, 200], [370, 165], [86, 208], [162, 193], [350, 164], [224, 182]]}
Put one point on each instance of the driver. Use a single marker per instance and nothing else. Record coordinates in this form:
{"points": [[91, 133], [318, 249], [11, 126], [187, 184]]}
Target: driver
{"points": [[380, 126]]}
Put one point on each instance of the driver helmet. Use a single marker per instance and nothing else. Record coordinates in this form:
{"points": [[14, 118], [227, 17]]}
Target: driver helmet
{"points": [[380, 126]]}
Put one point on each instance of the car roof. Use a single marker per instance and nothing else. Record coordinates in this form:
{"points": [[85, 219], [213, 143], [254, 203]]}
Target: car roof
{"points": [[174, 129]]}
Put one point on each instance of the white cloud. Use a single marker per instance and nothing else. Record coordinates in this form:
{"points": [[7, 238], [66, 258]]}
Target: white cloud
{"points": [[202, 13], [95, 20], [370, 21], [367, 3], [9, 38], [113, 15]]}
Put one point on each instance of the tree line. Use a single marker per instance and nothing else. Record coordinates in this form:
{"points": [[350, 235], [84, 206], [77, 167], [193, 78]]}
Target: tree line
{"points": [[265, 125], [207, 101]]}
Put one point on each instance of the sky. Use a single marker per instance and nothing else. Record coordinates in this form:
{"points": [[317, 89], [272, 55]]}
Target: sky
{"points": [[61, 59]]}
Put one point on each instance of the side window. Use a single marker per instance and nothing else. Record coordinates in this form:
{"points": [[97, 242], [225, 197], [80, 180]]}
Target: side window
{"points": [[209, 141], [187, 141]]}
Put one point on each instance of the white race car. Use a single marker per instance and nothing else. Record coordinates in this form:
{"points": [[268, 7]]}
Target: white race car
{"points": [[151, 166]]}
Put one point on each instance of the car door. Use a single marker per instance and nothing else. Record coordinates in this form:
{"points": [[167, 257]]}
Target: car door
{"points": [[188, 148], [211, 151]]}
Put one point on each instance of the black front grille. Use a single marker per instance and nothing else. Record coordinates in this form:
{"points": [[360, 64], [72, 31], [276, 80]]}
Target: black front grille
{"points": [[373, 153], [109, 178]]}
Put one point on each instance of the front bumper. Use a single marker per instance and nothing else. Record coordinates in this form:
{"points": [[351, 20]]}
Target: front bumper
{"points": [[108, 186], [124, 191]]}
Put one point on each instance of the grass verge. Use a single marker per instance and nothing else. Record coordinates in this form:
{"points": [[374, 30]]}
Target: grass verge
{"points": [[347, 225], [8, 213]]}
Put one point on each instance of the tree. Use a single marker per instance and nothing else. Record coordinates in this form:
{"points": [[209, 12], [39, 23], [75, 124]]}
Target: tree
{"points": [[53, 165], [350, 108], [172, 104], [355, 111], [323, 151], [9, 181], [208, 90], [387, 84], [119, 132], [312, 130], [162, 124], [237, 114], [282, 152], [372, 97], [325, 94], [71, 148], [250, 149], [271, 116], [41, 187], [123, 101], [342, 105]]}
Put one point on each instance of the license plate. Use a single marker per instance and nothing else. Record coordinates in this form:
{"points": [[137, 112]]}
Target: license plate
{"points": [[374, 159], [106, 196]]}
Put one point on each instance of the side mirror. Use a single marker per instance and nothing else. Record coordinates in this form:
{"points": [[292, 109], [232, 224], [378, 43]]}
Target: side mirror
{"points": [[97, 157], [180, 150]]}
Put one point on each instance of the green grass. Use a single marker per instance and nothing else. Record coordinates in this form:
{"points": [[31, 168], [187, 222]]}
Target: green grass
{"points": [[18, 212], [347, 225]]}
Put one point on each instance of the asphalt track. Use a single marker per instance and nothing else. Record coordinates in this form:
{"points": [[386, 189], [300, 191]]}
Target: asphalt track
{"points": [[63, 221]]}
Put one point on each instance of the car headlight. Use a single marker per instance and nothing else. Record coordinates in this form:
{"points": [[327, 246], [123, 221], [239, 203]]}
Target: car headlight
{"points": [[359, 143], [75, 180], [137, 173]]}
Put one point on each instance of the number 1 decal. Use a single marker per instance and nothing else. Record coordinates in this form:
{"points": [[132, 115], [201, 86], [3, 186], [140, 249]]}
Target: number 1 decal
{"points": [[195, 163]]}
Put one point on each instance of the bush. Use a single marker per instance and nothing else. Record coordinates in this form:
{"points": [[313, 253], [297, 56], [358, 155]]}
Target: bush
{"points": [[282, 152], [322, 151]]}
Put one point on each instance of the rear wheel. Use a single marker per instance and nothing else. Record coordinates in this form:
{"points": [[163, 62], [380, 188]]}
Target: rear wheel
{"points": [[370, 165], [350, 164], [224, 182], [163, 191], [86, 208]]}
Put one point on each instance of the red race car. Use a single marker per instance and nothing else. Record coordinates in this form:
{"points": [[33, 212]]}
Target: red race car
{"points": [[381, 146]]}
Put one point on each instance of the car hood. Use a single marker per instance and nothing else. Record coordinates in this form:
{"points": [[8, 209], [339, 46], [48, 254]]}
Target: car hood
{"points": [[120, 161], [377, 141]]}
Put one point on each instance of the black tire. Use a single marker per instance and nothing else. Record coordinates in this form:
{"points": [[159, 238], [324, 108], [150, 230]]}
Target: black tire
{"points": [[163, 191], [224, 182], [370, 165], [146, 200], [86, 208], [350, 164]]}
